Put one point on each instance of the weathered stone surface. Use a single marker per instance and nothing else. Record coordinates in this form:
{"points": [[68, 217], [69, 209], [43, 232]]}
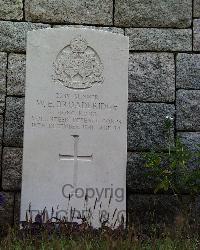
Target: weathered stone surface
{"points": [[151, 77], [160, 39], [196, 34], [147, 209], [14, 121], [136, 175], [146, 125], [16, 74], [2, 103], [87, 12], [13, 35], [190, 139], [1, 129], [188, 71], [111, 29], [197, 8], [11, 9], [162, 13], [6, 209], [188, 110], [11, 168], [3, 64], [160, 209]]}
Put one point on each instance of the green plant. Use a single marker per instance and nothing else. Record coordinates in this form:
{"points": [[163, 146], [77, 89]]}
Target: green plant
{"points": [[172, 170]]}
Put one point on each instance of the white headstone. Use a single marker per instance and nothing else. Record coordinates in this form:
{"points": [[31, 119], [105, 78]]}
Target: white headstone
{"points": [[75, 135]]}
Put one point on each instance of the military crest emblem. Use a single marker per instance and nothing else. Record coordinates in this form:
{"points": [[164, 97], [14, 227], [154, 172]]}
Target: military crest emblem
{"points": [[78, 66]]}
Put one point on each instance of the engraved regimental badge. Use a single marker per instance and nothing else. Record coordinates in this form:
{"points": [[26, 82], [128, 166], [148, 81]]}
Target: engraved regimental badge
{"points": [[78, 66]]}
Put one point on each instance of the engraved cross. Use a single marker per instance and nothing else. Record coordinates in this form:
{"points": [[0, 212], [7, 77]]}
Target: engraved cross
{"points": [[75, 158]]}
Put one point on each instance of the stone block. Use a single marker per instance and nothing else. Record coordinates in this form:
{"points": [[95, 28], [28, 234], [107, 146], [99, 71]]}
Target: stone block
{"points": [[188, 110], [13, 35], [146, 125], [151, 77], [78, 11], [16, 74], [3, 66], [1, 129], [6, 209], [11, 9], [196, 34], [188, 71], [159, 39], [190, 139], [2, 103], [146, 210], [137, 177], [14, 122], [196, 8], [11, 168], [3, 70], [153, 13]]}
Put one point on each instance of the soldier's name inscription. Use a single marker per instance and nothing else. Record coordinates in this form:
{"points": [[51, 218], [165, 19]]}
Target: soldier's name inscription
{"points": [[75, 111]]}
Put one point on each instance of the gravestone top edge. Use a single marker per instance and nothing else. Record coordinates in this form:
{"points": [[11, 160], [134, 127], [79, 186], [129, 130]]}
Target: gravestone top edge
{"points": [[92, 30]]}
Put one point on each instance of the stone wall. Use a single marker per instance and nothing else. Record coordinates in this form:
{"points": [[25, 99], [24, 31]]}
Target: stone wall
{"points": [[164, 79]]}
